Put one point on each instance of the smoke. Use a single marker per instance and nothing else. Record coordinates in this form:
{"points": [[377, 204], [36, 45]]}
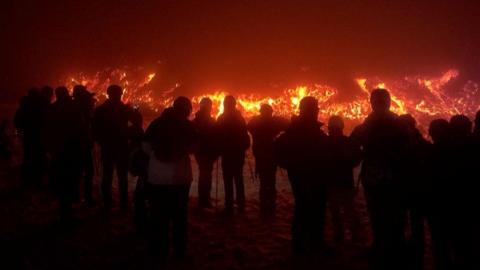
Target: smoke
{"points": [[238, 45]]}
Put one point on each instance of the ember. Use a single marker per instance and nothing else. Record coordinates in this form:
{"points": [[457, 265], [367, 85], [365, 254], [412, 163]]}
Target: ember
{"points": [[425, 98]]}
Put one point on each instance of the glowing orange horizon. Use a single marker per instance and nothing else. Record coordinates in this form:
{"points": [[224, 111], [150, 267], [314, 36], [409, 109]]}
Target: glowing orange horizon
{"points": [[429, 101]]}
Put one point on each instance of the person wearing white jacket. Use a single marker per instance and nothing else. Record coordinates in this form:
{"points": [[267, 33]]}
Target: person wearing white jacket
{"points": [[169, 141]]}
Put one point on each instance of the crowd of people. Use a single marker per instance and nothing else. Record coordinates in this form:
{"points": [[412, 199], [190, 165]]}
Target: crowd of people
{"points": [[407, 180]]}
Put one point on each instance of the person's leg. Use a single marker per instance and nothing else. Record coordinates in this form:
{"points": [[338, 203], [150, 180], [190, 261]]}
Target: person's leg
{"points": [[375, 208], [441, 241], [69, 173], [107, 177], [180, 220], [122, 174], [140, 207], [417, 238], [160, 201], [350, 214], [299, 224], [268, 193], [205, 166], [317, 213], [336, 206], [60, 187], [227, 170], [395, 215], [239, 184], [88, 167]]}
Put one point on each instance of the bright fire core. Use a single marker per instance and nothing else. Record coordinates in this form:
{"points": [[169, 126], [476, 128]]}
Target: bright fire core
{"points": [[426, 98]]}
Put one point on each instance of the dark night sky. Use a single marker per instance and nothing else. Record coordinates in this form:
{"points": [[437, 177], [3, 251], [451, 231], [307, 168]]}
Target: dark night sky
{"points": [[237, 44]]}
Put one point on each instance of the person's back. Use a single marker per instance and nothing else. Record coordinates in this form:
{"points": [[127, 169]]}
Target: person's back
{"points": [[440, 205], [382, 140], [84, 102], [63, 136], [170, 137], [111, 123], [414, 183], [28, 116], [233, 141], [205, 125], [343, 157], [64, 122], [464, 192], [303, 145], [232, 133], [206, 152], [264, 128], [302, 150], [168, 141], [29, 121]]}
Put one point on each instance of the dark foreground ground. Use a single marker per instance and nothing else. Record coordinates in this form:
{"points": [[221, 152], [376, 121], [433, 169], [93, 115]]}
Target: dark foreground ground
{"points": [[32, 238]]}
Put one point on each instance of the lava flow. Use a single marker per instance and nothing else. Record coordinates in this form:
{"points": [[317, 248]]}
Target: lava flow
{"points": [[426, 98]]}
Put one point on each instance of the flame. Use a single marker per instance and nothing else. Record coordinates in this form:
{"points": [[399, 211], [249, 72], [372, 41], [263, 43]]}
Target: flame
{"points": [[429, 99]]}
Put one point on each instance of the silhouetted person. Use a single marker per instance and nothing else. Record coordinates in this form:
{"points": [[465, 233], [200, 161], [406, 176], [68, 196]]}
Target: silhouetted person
{"points": [[382, 140], [232, 136], [264, 129], [138, 167], [85, 103], [440, 204], [46, 96], [169, 141], [63, 140], [29, 123], [414, 180], [301, 149], [466, 202], [207, 152], [111, 131], [344, 156]]}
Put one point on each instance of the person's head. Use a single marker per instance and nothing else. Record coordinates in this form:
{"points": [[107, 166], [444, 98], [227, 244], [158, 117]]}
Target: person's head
{"points": [[47, 93], [407, 121], [461, 126], [61, 93], [439, 130], [115, 92], [229, 103], [79, 91], [266, 111], [206, 105], [380, 100], [335, 125], [309, 108], [182, 107]]}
